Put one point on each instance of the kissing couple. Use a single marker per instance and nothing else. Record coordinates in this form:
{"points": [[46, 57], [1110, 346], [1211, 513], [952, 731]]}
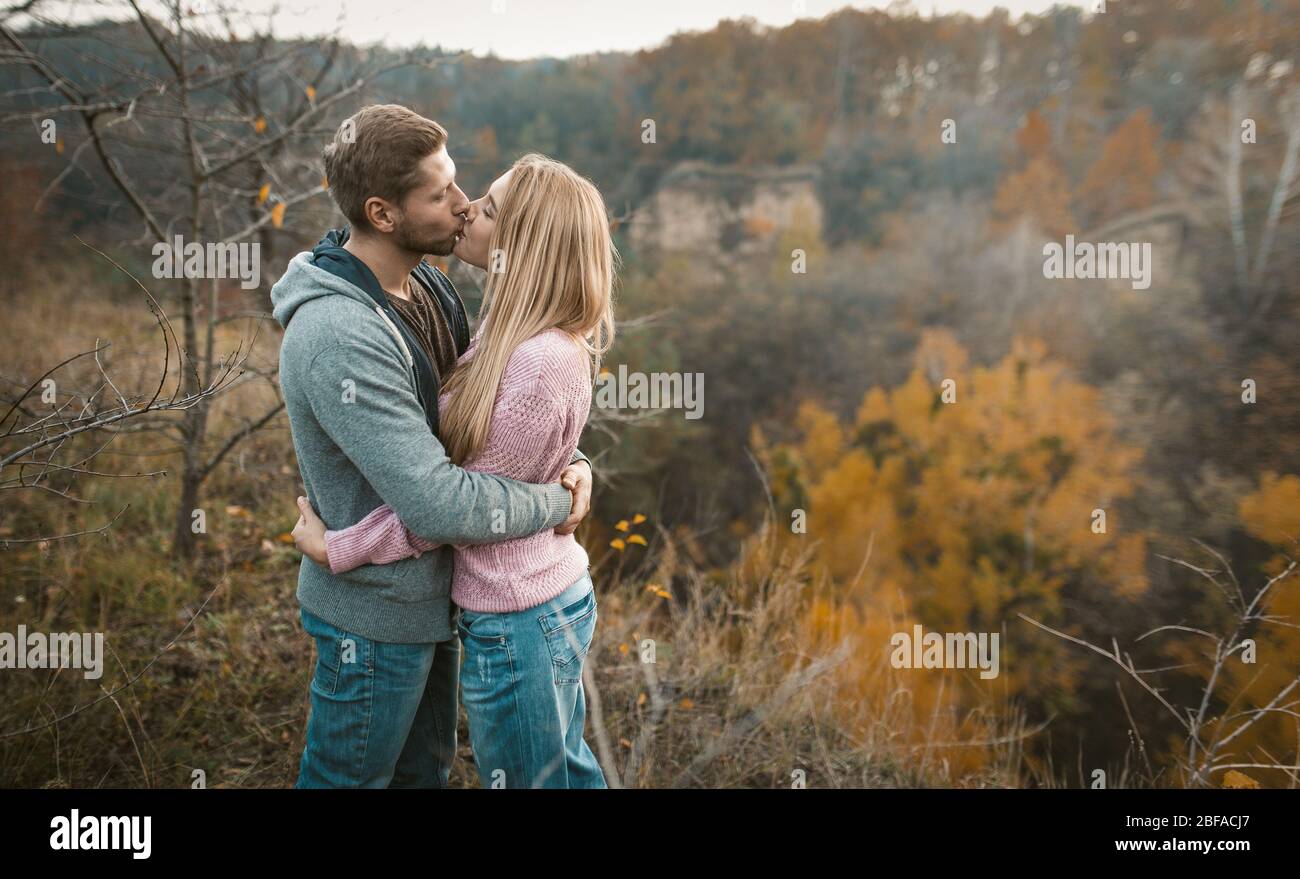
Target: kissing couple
{"points": [[442, 472]]}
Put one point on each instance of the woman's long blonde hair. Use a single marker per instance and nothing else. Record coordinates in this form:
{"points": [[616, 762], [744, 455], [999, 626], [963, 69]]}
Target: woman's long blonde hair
{"points": [[552, 266]]}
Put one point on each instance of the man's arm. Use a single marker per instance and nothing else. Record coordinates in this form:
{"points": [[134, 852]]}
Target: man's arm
{"points": [[378, 423]]}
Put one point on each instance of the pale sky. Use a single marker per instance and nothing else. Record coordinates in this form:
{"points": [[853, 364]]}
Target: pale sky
{"points": [[531, 28]]}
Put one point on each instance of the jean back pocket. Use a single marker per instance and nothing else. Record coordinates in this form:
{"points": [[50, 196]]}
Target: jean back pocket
{"points": [[569, 632]]}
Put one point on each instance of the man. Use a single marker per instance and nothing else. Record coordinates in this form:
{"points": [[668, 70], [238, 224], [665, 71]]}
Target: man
{"points": [[370, 332]]}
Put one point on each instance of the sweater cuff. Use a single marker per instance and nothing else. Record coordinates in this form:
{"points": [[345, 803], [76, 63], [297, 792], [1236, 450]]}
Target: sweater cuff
{"points": [[341, 553], [559, 503]]}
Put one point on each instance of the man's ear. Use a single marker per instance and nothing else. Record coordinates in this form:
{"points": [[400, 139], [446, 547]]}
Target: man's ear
{"points": [[380, 214]]}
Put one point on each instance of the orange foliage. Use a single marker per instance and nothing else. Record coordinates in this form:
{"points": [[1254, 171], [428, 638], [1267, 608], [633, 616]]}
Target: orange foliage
{"points": [[1040, 192], [958, 515], [1034, 138], [1123, 178]]}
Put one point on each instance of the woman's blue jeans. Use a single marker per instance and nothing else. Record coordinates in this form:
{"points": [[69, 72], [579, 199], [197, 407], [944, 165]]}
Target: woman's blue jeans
{"points": [[521, 682]]}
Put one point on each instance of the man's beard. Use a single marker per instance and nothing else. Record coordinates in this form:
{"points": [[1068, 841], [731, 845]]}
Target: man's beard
{"points": [[408, 240]]}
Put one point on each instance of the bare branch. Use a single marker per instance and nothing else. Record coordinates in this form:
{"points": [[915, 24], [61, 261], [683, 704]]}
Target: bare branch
{"points": [[6, 542], [241, 435]]}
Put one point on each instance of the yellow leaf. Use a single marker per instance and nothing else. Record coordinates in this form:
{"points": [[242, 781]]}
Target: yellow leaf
{"points": [[324, 182], [277, 215], [687, 704], [623, 648], [264, 193], [621, 526], [664, 594], [311, 93], [58, 146], [259, 124], [638, 519], [625, 743], [641, 699], [617, 544], [236, 510], [286, 537], [637, 538], [1238, 780]]}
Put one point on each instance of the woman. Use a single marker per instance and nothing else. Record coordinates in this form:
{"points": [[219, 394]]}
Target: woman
{"points": [[515, 405]]}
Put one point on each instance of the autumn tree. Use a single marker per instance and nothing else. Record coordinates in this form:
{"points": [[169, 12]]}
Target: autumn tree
{"points": [[1038, 189], [962, 497], [1124, 175], [1033, 140]]}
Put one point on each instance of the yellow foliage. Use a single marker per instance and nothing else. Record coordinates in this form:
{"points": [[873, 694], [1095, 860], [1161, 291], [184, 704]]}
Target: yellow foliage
{"points": [[1239, 780], [958, 515], [1272, 513]]}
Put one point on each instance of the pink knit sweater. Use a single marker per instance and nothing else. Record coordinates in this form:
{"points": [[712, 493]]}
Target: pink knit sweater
{"points": [[541, 407]]}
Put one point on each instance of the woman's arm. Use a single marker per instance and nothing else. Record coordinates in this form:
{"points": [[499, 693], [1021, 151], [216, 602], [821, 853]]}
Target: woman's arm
{"points": [[377, 539], [535, 426], [528, 436]]}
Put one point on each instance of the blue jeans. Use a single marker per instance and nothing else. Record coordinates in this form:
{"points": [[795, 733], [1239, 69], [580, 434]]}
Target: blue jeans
{"points": [[521, 681], [382, 714]]}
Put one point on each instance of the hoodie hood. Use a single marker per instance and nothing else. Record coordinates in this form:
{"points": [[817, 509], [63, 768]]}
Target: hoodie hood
{"points": [[325, 270]]}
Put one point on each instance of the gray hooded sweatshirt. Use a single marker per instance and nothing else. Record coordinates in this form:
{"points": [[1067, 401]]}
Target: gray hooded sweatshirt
{"points": [[362, 440]]}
